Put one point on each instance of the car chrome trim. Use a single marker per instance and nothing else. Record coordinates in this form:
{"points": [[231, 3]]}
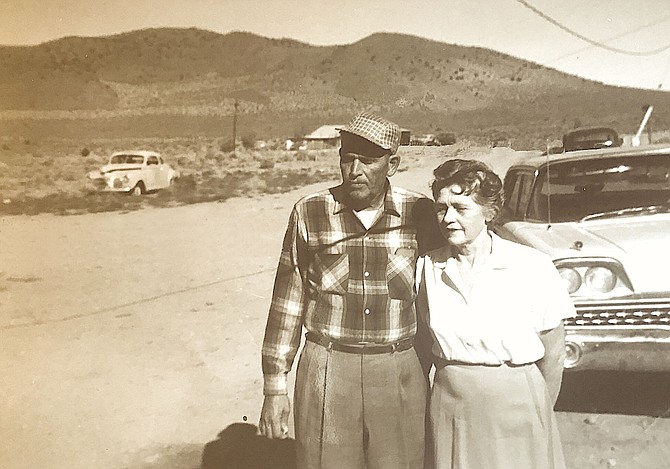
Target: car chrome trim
{"points": [[634, 313]]}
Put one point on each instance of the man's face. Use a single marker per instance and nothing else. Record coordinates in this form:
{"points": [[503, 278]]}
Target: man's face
{"points": [[364, 171]]}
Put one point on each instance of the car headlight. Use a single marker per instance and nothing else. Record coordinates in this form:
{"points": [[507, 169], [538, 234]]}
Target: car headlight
{"points": [[571, 278], [600, 279], [593, 277]]}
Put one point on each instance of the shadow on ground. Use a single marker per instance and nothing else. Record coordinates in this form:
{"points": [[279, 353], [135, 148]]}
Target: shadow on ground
{"points": [[239, 447], [625, 393]]}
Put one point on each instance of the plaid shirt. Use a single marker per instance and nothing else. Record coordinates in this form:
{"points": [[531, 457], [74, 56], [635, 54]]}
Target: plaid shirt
{"points": [[341, 280]]}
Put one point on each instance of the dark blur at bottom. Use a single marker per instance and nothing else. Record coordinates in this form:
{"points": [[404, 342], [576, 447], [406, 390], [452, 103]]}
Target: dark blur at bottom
{"points": [[615, 392]]}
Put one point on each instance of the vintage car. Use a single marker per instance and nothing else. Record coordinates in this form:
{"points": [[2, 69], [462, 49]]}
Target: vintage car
{"points": [[133, 172], [587, 138], [604, 218]]}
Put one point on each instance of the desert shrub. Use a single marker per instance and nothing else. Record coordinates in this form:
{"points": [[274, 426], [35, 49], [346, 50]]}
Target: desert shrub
{"points": [[267, 164], [85, 152], [305, 156], [186, 182], [211, 154], [5, 146], [227, 146], [248, 140]]}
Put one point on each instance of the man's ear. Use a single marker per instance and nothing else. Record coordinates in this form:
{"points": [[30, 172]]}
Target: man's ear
{"points": [[394, 162]]}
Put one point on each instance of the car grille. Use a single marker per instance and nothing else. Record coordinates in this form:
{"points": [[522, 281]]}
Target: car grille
{"points": [[631, 313]]}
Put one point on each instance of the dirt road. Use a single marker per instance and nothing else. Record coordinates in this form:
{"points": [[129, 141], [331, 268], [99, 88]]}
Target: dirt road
{"points": [[131, 340]]}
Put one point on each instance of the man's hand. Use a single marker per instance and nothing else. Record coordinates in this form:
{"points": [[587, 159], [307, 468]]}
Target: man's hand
{"points": [[274, 416]]}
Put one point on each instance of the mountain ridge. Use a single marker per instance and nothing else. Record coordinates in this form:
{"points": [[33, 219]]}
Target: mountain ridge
{"points": [[198, 73]]}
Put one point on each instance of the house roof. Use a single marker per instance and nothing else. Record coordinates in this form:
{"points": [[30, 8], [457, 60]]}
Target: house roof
{"points": [[325, 132]]}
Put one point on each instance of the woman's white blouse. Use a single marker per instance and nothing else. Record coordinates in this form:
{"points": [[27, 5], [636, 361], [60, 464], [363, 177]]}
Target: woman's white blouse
{"points": [[516, 294]]}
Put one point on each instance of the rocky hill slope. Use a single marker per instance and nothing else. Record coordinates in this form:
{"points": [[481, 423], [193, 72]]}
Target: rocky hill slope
{"points": [[186, 81]]}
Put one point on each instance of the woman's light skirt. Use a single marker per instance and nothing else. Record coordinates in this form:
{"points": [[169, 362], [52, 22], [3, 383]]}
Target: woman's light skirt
{"points": [[489, 417]]}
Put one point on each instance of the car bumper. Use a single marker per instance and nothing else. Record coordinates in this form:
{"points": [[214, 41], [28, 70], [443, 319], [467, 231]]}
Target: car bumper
{"points": [[107, 185], [631, 335], [621, 350], [116, 189]]}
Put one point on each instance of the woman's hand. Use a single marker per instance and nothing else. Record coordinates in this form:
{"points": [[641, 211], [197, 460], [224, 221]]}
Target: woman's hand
{"points": [[551, 365]]}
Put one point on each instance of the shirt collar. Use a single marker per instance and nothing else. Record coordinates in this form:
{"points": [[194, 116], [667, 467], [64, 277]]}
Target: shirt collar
{"points": [[389, 206], [498, 259]]}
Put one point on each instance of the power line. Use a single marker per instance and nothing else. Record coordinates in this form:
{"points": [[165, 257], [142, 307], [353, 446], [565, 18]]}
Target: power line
{"points": [[586, 39], [613, 38]]}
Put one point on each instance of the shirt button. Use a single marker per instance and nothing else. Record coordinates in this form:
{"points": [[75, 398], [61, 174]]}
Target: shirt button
{"points": [[367, 311], [367, 274]]}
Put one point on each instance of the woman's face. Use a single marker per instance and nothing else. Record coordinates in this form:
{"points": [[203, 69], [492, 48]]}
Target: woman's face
{"points": [[461, 219]]}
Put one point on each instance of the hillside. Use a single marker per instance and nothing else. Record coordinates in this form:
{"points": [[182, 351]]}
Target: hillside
{"points": [[173, 82]]}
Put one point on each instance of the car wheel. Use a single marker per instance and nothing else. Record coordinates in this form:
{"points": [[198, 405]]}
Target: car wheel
{"points": [[139, 189]]}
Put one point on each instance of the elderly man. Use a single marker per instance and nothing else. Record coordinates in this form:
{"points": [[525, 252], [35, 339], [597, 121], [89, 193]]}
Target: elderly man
{"points": [[346, 274]]}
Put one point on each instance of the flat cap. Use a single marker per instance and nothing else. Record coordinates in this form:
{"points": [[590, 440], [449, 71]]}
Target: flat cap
{"points": [[375, 129]]}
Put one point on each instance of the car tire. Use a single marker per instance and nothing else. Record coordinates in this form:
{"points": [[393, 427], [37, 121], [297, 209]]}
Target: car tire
{"points": [[139, 189]]}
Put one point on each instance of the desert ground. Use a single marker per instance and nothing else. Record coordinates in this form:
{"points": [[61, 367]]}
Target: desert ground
{"points": [[131, 340]]}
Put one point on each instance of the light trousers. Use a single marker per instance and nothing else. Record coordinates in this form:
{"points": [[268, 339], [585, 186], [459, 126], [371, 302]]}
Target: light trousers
{"points": [[359, 411]]}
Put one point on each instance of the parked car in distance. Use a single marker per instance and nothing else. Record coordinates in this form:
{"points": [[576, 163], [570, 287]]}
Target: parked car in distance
{"points": [[588, 138], [445, 138], [431, 140], [604, 218], [135, 172]]}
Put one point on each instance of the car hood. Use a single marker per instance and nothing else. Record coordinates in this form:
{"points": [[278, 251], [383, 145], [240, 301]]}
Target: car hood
{"points": [[110, 168], [640, 243]]}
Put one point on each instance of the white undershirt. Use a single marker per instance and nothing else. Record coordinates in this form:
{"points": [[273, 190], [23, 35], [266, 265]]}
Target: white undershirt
{"points": [[368, 216]]}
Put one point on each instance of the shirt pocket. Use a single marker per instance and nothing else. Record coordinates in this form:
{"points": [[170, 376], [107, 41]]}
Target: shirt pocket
{"points": [[400, 271], [331, 272]]}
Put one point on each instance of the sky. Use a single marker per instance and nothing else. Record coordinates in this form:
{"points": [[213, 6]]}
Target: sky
{"points": [[618, 42]]}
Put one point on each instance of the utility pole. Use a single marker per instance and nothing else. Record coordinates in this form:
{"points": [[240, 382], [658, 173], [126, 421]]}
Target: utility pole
{"points": [[235, 126]]}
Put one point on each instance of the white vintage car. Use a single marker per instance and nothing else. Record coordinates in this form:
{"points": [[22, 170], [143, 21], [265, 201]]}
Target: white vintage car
{"points": [[135, 172], [604, 217]]}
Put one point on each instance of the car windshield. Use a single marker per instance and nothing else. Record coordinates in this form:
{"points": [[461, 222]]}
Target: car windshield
{"points": [[605, 187], [126, 159]]}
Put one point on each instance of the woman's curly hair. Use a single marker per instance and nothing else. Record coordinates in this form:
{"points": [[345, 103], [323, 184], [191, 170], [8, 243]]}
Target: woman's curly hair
{"points": [[475, 179]]}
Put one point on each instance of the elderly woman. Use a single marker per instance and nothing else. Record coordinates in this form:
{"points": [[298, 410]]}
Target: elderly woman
{"points": [[494, 311]]}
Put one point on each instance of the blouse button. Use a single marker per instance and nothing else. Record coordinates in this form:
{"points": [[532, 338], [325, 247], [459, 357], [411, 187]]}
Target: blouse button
{"points": [[367, 311], [366, 274]]}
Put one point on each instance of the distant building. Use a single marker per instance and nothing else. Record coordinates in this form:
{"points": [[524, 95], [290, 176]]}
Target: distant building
{"points": [[295, 144], [405, 136], [326, 136]]}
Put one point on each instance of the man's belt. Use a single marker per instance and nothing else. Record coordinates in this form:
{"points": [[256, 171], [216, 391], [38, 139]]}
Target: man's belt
{"points": [[370, 348]]}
